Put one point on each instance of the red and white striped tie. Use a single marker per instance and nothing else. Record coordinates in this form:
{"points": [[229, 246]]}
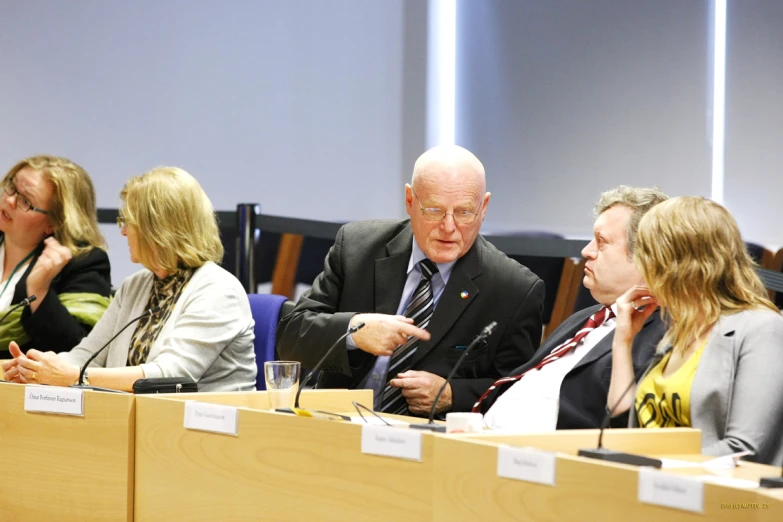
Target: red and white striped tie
{"points": [[595, 320]]}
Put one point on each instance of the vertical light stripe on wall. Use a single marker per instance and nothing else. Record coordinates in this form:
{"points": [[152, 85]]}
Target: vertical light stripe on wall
{"points": [[718, 100], [441, 72]]}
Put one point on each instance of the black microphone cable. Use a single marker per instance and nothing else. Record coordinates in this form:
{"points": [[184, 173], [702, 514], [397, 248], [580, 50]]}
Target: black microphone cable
{"points": [[93, 356], [353, 329]]}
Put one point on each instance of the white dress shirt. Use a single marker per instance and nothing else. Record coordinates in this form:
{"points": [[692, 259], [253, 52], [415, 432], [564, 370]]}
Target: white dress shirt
{"points": [[532, 403], [7, 288]]}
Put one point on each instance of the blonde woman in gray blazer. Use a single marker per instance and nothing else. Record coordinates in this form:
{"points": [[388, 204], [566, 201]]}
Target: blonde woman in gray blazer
{"points": [[720, 368], [201, 326]]}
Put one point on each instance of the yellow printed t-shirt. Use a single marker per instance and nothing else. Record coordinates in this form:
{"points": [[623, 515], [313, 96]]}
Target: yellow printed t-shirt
{"points": [[664, 402]]}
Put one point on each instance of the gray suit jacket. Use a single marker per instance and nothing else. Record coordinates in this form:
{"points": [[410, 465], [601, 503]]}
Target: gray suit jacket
{"points": [[208, 336], [737, 393]]}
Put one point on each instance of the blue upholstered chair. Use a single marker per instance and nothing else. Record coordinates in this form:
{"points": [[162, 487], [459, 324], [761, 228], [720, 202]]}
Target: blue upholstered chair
{"points": [[266, 313]]}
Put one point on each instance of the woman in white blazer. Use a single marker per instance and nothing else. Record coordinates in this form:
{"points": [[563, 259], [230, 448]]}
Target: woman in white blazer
{"points": [[201, 326], [719, 366]]}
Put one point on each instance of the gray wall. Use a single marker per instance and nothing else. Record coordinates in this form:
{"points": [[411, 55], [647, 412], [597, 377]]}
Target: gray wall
{"points": [[313, 109], [754, 118], [317, 109], [566, 98]]}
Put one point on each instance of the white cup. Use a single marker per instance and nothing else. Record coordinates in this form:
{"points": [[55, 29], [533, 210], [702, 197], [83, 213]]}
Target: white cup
{"points": [[464, 422]]}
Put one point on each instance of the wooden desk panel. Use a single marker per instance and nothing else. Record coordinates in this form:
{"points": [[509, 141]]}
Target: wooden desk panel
{"points": [[329, 400], [60, 467], [663, 441], [468, 488], [280, 467]]}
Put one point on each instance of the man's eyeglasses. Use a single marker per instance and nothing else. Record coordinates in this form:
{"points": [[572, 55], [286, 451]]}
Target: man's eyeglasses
{"points": [[22, 202], [461, 216]]}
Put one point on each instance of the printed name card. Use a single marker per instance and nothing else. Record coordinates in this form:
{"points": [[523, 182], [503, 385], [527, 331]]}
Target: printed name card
{"points": [[530, 465], [664, 489], [211, 417], [53, 399], [391, 442]]}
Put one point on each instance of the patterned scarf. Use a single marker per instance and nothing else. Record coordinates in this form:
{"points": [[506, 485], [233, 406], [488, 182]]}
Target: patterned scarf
{"points": [[165, 293]]}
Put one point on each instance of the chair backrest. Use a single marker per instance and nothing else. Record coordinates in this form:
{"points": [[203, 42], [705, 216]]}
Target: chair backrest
{"points": [[299, 260], [777, 266], [266, 313], [567, 291], [549, 269]]}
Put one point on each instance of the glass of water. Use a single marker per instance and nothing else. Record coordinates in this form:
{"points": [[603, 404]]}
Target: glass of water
{"points": [[282, 382]]}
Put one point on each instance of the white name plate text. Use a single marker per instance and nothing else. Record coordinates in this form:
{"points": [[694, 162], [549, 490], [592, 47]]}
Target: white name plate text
{"points": [[527, 464], [391, 442], [53, 399], [216, 418], [664, 489]]}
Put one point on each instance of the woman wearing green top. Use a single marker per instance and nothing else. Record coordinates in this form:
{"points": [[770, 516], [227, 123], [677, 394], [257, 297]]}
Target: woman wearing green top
{"points": [[719, 366], [50, 247]]}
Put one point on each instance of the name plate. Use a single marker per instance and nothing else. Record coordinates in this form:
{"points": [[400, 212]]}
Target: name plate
{"points": [[527, 464], [391, 442], [53, 399], [664, 489], [211, 417]]}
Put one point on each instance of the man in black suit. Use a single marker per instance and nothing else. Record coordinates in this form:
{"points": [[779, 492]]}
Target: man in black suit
{"points": [[566, 383], [424, 287]]}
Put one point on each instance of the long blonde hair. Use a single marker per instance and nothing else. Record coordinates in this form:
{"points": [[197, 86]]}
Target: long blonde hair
{"points": [[691, 254], [174, 219], [73, 213]]}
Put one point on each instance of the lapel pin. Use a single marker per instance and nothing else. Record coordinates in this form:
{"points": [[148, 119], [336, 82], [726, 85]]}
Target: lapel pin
{"points": [[464, 294]]}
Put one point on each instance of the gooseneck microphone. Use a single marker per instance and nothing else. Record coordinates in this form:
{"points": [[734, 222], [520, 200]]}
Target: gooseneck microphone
{"points": [[26, 301], [602, 453], [80, 383], [486, 332], [353, 329]]}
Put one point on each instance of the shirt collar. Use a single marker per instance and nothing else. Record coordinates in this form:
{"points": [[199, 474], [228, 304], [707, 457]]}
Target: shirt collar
{"points": [[444, 269]]}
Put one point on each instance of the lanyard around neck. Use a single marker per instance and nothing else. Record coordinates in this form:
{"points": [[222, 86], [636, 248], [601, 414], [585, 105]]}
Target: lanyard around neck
{"points": [[18, 265]]}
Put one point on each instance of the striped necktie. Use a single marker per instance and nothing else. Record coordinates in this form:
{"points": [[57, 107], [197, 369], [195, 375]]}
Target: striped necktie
{"points": [[595, 320], [420, 308]]}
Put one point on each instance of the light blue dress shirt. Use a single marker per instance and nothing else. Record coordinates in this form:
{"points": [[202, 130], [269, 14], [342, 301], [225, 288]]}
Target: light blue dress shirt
{"points": [[377, 378]]}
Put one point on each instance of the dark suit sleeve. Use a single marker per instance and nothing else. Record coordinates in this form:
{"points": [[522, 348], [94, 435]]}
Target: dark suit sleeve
{"points": [[314, 324], [52, 327], [519, 342]]}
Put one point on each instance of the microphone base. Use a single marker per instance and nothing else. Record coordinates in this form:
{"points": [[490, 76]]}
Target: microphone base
{"points": [[438, 428], [95, 388], [619, 457], [771, 482], [316, 414]]}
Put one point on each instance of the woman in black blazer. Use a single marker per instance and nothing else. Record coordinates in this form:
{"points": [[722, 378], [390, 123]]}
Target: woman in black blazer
{"points": [[50, 247]]}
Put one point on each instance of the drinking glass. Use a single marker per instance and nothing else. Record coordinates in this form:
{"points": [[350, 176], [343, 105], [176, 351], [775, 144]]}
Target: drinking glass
{"points": [[282, 382]]}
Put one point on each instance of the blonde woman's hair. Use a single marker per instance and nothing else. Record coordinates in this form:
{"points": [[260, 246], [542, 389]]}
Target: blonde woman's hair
{"points": [[638, 199], [72, 213], [173, 218], [692, 257]]}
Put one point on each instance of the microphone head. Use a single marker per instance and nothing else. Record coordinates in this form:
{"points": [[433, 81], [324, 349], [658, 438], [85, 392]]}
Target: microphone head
{"points": [[153, 310], [31, 298], [491, 326]]}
